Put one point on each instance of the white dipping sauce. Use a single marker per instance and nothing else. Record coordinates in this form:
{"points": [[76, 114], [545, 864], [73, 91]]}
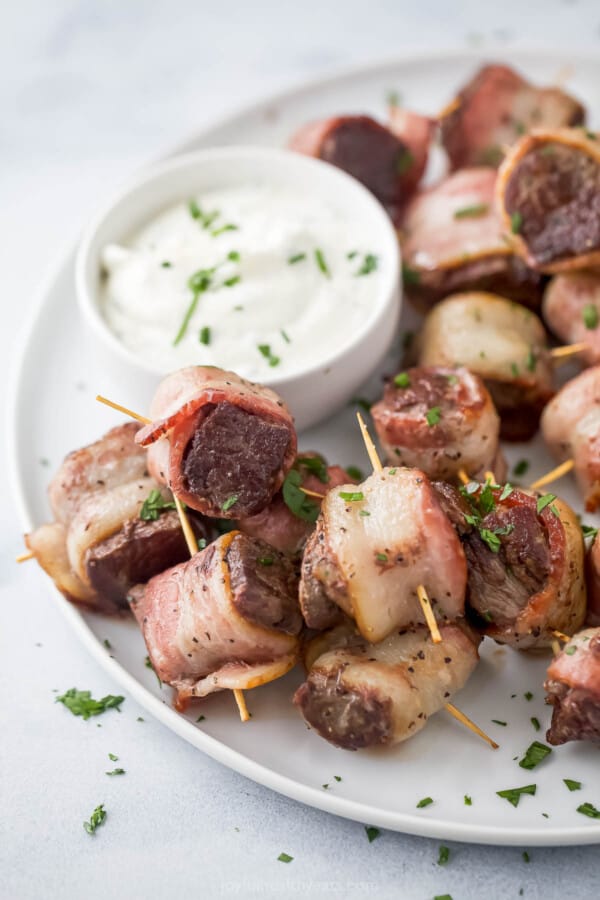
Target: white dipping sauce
{"points": [[253, 295]]}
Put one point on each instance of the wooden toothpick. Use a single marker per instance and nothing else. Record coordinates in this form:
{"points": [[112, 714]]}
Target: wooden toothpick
{"points": [[553, 474]]}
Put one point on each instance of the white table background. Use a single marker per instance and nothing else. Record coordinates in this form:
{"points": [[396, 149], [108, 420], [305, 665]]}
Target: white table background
{"points": [[88, 91]]}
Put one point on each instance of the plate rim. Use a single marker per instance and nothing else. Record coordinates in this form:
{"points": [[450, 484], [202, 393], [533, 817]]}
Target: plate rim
{"points": [[401, 822]]}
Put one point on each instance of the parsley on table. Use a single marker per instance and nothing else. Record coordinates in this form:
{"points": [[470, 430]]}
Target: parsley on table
{"points": [[499, 722], [572, 785], [526, 856], [528, 695], [81, 703], [534, 755], [521, 467], [444, 855], [338, 777], [513, 795], [112, 757], [116, 772], [535, 722], [426, 801], [154, 505], [468, 800], [372, 833], [285, 857], [296, 500], [588, 809], [97, 818]]}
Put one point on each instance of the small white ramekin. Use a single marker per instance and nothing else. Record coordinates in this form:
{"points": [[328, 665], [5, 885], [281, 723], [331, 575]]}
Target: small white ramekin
{"points": [[319, 390]]}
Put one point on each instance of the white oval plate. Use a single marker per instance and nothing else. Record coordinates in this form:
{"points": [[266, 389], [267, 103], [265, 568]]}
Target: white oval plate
{"points": [[52, 411]]}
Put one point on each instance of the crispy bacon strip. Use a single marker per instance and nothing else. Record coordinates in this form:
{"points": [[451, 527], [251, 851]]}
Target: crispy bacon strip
{"points": [[462, 435], [375, 543], [502, 342], [571, 428], [571, 310], [548, 194], [112, 460], [573, 689], [222, 444], [359, 695], [494, 109], [227, 618]]}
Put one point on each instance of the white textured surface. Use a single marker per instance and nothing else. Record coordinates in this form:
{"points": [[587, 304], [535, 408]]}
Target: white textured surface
{"points": [[89, 91]]}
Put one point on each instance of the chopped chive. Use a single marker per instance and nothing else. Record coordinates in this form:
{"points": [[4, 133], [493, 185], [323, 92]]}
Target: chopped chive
{"points": [[229, 282], [223, 229], [472, 212], [296, 258], [426, 801], [204, 336], [320, 260], [499, 722], [535, 722], [231, 501], [369, 265], [265, 349], [352, 496], [443, 856], [285, 336], [516, 221]]}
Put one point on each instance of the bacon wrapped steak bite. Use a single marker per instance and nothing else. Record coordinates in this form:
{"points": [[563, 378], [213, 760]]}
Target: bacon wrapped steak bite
{"points": [[494, 109], [571, 310], [452, 240], [502, 342], [375, 543], [365, 149], [442, 420], [548, 193], [227, 618], [112, 460], [222, 444], [592, 580], [358, 694], [524, 560], [571, 428], [573, 689]]}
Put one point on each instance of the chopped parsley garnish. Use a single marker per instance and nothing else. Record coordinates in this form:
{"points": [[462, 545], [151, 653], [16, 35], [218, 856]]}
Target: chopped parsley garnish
{"points": [[97, 818], [233, 256], [402, 380], [325, 787], [352, 496], [204, 336], [544, 501], [194, 210], [442, 897], [265, 349], [338, 777], [364, 512], [296, 258], [200, 718], [369, 265], [381, 557], [352, 255], [570, 651], [285, 857], [362, 402], [166, 264], [112, 757], [516, 221], [81, 703], [528, 695], [355, 472], [303, 507], [198, 283], [202, 542], [266, 560], [230, 282], [405, 162], [154, 505], [472, 212], [534, 755], [506, 491], [372, 833], [320, 261], [526, 857], [572, 785], [433, 415], [499, 722], [587, 809], [426, 801], [410, 276], [589, 531], [514, 370], [535, 722], [468, 801], [513, 795], [231, 501], [531, 361], [107, 644], [116, 772], [443, 856], [316, 465], [589, 315], [285, 336], [223, 229]]}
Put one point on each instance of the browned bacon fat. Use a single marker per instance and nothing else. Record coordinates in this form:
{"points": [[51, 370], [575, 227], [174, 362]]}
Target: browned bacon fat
{"points": [[592, 579], [494, 109], [573, 689], [452, 240], [222, 444], [365, 149], [502, 342], [374, 544], [525, 562], [571, 429], [442, 420], [227, 618], [289, 519], [571, 310], [112, 460], [360, 695], [548, 193]]}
